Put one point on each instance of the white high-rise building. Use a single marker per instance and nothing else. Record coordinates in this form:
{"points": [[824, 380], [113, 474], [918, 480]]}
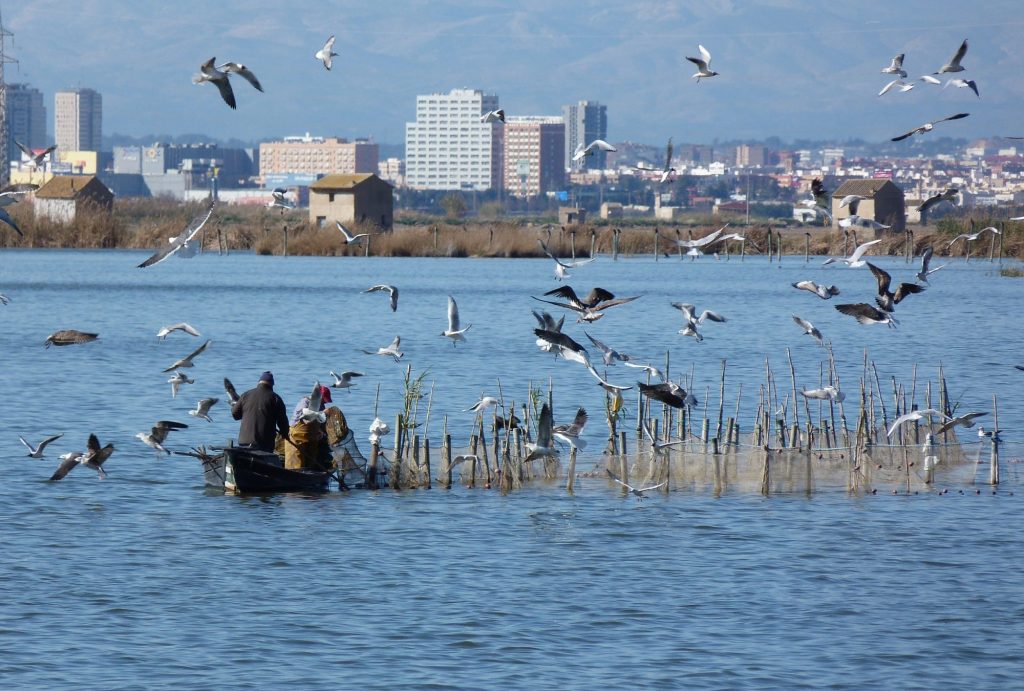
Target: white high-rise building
{"points": [[78, 120], [448, 148]]}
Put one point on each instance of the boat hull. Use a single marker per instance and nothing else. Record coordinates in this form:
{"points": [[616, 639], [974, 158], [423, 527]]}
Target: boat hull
{"points": [[246, 471]]}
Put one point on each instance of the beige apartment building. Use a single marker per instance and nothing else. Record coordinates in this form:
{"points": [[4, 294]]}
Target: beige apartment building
{"points": [[534, 155], [78, 120], [313, 156]]}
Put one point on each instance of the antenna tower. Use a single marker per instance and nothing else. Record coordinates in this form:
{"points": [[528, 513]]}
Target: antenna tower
{"points": [[5, 168]]}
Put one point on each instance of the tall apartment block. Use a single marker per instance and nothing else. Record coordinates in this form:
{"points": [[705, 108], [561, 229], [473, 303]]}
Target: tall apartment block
{"points": [[584, 122], [26, 119], [78, 120], [534, 155], [448, 148]]}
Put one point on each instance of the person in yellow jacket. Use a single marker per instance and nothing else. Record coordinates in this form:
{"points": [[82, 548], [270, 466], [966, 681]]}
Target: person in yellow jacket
{"points": [[310, 450]]}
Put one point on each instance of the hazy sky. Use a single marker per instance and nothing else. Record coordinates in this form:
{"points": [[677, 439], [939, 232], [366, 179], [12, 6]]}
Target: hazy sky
{"points": [[790, 68]]}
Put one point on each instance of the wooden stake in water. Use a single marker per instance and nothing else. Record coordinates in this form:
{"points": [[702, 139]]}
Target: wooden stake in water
{"points": [[656, 253], [993, 467], [572, 471]]}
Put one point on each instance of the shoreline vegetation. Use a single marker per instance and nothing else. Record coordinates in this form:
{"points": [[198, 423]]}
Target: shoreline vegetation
{"points": [[147, 223]]}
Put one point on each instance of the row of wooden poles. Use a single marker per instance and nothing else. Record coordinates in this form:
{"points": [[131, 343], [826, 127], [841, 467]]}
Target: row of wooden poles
{"points": [[777, 428]]}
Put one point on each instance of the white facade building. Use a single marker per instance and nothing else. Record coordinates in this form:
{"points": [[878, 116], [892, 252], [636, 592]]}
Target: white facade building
{"points": [[448, 148]]}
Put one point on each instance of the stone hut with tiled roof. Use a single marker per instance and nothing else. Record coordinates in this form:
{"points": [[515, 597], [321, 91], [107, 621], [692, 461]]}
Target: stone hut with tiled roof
{"points": [[883, 201], [361, 198], [64, 196]]}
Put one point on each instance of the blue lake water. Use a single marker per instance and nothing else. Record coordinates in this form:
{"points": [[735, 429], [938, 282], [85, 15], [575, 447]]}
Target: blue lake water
{"points": [[145, 580]]}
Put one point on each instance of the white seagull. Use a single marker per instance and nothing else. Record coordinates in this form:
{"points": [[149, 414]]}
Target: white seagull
{"points": [[37, 450], [209, 73], [544, 446], [36, 159], [390, 350], [570, 434], [351, 239], [567, 347], [158, 434], [904, 87], [928, 126], [94, 457], [966, 420], [809, 329], [703, 64], [483, 404], [187, 360], [344, 380], [203, 408], [279, 200], [179, 241], [896, 66], [658, 447], [242, 71], [822, 291], [971, 237], [614, 389], [638, 493], [913, 416], [964, 84], [854, 260], [829, 393], [591, 148], [454, 331], [181, 326], [493, 116], [326, 54], [954, 62], [925, 271], [390, 290], [609, 355], [177, 380]]}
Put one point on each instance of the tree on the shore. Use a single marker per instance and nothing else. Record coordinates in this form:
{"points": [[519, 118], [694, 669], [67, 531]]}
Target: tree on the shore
{"points": [[454, 206]]}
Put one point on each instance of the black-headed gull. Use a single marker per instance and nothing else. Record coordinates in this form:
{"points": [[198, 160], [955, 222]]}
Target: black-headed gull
{"points": [[390, 290], [637, 492], [326, 54], [822, 291], [809, 329], [37, 450], [896, 66], [344, 380], [390, 350], [954, 62], [928, 126], [158, 434], [703, 64], [350, 239], [181, 326], [591, 149], [187, 360], [209, 73], [455, 331], [202, 410], [94, 457], [176, 243], [854, 260], [176, 380]]}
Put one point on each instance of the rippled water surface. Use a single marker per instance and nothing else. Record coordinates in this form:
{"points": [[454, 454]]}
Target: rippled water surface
{"points": [[145, 580]]}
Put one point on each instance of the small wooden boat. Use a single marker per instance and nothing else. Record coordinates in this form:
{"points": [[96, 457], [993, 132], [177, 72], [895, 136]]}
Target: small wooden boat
{"points": [[240, 470]]}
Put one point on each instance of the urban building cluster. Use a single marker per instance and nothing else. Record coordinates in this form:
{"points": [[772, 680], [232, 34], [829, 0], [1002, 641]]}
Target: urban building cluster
{"points": [[449, 147]]}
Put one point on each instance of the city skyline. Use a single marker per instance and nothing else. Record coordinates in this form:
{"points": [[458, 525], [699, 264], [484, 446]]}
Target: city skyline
{"points": [[791, 69]]}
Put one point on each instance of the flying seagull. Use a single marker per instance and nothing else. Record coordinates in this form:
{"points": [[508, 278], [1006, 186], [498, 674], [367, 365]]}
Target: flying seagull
{"points": [[913, 416], [703, 64], [866, 314], [964, 84], [570, 434], [561, 267], [954, 62], [242, 71], [591, 308], [691, 320], [887, 299], [669, 393], [6, 219], [925, 271], [609, 355], [176, 380], [809, 329], [483, 404], [544, 446], [390, 350], [966, 420], [971, 237], [591, 148], [203, 408], [896, 66], [567, 347], [658, 447], [650, 369], [94, 457], [928, 79], [390, 290], [230, 390], [829, 393], [209, 73], [158, 434], [822, 291], [351, 239], [667, 170], [344, 381], [181, 326], [69, 337], [904, 87], [493, 116], [36, 159], [187, 360], [279, 200], [179, 241], [548, 323], [638, 493], [928, 126], [454, 331], [326, 54], [614, 389], [37, 450], [854, 260], [936, 199]]}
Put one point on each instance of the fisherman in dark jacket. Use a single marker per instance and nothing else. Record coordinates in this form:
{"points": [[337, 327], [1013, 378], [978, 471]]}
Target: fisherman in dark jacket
{"points": [[263, 415]]}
